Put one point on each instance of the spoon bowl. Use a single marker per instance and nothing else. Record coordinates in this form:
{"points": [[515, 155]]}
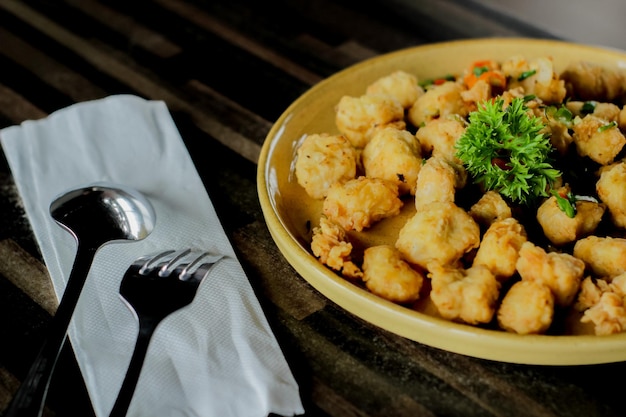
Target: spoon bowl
{"points": [[95, 215]]}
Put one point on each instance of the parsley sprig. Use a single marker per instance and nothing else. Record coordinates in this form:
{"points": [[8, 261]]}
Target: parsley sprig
{"points": [[503, 149]]}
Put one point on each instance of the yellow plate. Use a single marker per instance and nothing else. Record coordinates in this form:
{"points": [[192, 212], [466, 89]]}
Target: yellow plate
{"points": [[289, 212]]}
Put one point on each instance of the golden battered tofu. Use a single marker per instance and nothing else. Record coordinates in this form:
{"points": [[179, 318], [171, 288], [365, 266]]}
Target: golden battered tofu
{"points": [[393, 155], [591, 81], [467, 295], [323, 160], [358, 117], [437, 102], [500, 246], [542, 81], [527, 308], [604, 256], [438, 137], [400, 85], [438, 181], [361, 202], [333, 249], [440, 232], [490, 208], [387, 275], [561, 272], [611, 188], [597, 139], [562, 229], [608, 315]]}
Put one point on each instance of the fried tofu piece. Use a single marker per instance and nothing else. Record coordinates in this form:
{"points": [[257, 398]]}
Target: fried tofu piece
{"points": [[541, 80], [561, 229], [358, 117], [500, 246], [437, 102], [592, 81], [438, 138], [323, 160], [361, 202], [490, 208], [333, 249], [597, 139], [400, 85], [527, 308], [561, 272], [438, 181], [604, 256], [387, 275], [439, 233], [467, 295], [611, 188], [393, 155]]}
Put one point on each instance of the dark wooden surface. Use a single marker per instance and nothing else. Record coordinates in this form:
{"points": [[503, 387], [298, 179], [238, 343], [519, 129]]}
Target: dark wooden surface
{"points": [[227, 69]]}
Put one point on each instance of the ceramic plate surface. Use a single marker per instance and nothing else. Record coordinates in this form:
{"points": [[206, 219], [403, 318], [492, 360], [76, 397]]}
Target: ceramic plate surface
{"points": [[290, 213]]}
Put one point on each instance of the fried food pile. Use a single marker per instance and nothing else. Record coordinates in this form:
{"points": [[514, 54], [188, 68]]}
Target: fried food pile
{"points": [[487, 260]]}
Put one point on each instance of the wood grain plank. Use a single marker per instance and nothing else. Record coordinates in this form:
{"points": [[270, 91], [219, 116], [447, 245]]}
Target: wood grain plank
{"points": [[131, 29], [135, 79], [204, 20], [16, 108], [28, 274]]}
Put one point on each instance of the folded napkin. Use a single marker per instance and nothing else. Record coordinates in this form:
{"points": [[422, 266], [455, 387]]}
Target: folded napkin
{"points": [[216, 357]]}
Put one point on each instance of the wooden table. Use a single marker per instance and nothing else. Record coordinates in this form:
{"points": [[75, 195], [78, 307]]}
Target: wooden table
{"points": [[227, 69]]}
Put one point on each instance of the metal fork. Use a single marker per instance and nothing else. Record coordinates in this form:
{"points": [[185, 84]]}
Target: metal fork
{"points": [[154, 287]]}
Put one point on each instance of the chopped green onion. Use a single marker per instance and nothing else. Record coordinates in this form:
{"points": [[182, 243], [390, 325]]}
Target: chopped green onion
{"points": [[526, 74], [478, 71], [566, 204], [607, 126], [588, 107]]}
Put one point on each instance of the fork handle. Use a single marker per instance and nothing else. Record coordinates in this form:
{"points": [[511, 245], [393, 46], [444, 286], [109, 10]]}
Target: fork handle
{"points": [[146, 330], [29, 400]]}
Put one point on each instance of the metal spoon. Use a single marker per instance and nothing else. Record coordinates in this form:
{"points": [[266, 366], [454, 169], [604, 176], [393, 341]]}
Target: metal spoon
{"points": [[94, 215]]}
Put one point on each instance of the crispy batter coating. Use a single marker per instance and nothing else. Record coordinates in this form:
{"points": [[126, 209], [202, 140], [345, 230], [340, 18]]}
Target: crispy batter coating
{"points": [[603, 304], [438, 180], [608, 315], [400, 85], [437, 102], [591, 81], [611, 188], [358, 117], [332, 247], [394, 155], [562, 229], [490, 208], [467, 295], [439, 136], [387, 275], [604, 256], [359, 203], [527, 308], [439, 233], [561, 272], [323, 160], [544, 82], [597, 139], [607, 111], [500, 246]]}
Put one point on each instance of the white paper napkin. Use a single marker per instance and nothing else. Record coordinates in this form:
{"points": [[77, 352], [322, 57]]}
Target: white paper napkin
{"points": [[217, 357]]}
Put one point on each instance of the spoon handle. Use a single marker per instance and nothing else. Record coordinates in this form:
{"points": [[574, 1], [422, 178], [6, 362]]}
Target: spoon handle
{"points": [[147, 327], [29, 400]]}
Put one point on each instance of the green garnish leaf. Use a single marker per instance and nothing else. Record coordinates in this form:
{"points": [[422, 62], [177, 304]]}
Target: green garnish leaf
{"points": [[526, 74], [567, 204], [504, 150]]}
